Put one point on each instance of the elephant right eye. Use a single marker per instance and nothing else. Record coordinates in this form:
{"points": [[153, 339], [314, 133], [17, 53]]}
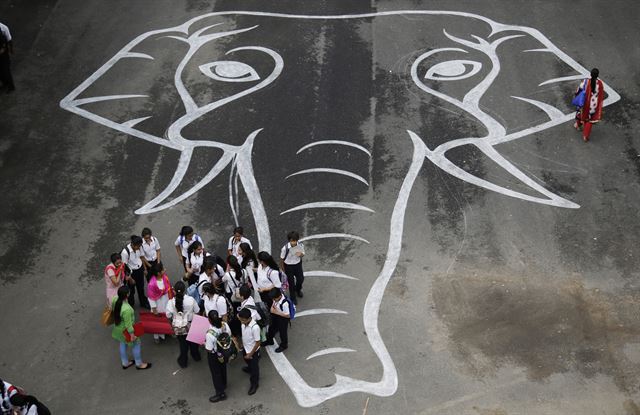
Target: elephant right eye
{"points": [[229, 71]]}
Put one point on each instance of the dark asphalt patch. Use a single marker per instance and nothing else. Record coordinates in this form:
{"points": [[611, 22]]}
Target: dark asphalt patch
{"points": [[548, 327]]}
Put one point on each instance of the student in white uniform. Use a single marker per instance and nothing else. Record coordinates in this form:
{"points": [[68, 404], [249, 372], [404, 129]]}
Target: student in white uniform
{"points": [[268, 277], [186, 305], [150, 247], [247, 257], [183, 241], [196, 257], [7, 391], [251, 348], [279, 320], [214, 300], [28, 405], [248, 302], [211, 273], [233, 279], [291, 263], [136, 268], [218, 369], [236, 239]]}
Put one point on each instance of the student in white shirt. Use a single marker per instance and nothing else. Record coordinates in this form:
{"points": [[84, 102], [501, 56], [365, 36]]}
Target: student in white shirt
{"points": [[182, 303], [247, 257], [291, 263], [211, 273], [249, 302], [251, 348], [28, 405], [136, 267], [183, 241], [150, 247], [279, 320], [268, 277], [236, 239], [196, 257], [214, 300], [233, 279], [218, 369]]}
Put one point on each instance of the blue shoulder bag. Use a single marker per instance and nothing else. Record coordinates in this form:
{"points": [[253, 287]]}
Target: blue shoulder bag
{"points": [[578, 100]]}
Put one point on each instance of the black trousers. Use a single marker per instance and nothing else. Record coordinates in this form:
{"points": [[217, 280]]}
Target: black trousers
{"points": [[279, 325], [185, 348], [254, 368], [295, 275], [138, 277], [218, 373], [5, 71]]}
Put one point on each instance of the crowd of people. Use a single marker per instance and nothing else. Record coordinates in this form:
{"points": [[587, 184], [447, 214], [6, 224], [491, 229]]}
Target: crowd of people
{"points": [[248, 299]]}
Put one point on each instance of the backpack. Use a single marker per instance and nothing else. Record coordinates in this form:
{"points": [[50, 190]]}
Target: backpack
{"points": [[265, 315], [292, 308], [180, 323], [226, 349], [284, 280], [193, 292]]}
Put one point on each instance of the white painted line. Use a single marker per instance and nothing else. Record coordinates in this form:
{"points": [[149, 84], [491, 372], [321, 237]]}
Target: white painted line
{"points": [[337, 142], [318, 311], [333, 235], [565, 78], [329, 205], [328, 274], [550, 110], [331, 350]]}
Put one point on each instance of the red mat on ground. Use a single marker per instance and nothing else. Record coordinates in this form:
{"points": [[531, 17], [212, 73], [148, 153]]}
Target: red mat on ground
{"points": [[155, 324]]}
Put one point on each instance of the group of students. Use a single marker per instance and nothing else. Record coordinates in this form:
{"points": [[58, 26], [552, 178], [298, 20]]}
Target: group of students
{"points": [[247, 298]]}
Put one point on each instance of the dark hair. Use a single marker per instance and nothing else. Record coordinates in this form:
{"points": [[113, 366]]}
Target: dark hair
{"points": [[194, 245], [293, 236], [214, 319], [156, 269], [208, 263], [275, 292], [233, 263], [146, 232], [249, 255], [136, 240], [186, 230], [267, 259], [115, 257], [244, 313], [238, 229], [208, 288], [179, 288], [21, 400], [123, 294], [594, 79], [245, 291]]}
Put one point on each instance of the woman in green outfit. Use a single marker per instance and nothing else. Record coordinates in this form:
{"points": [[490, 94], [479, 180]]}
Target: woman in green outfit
{"points": [[123, 316]]}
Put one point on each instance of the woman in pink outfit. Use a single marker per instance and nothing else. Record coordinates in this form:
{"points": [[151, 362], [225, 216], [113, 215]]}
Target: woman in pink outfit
{"points": [[158, 289], [114, 277], [591, 111]]}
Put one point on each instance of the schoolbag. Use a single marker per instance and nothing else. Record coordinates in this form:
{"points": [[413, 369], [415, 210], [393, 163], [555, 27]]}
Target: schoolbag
{"points": [[226, 349], [193, 292], [292, 308], [284, 280], [180, 323], [265, 315]]}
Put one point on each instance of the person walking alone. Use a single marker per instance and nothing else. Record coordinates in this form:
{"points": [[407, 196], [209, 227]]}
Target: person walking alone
{"points": [[591, 111], [291, 263]]}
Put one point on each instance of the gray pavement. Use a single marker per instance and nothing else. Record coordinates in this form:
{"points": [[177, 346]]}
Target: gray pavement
{"points": [[496, 305]]}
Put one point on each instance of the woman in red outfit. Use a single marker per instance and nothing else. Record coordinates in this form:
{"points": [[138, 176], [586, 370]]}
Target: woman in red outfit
{"points": [[591, 111]]}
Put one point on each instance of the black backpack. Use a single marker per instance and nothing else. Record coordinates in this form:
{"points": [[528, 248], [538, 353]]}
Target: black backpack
{"points": [[265, 315], [226, 348]]}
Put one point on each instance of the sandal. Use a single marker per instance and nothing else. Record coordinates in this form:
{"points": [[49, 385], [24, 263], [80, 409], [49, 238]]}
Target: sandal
{"points": [[148, 366], [131, 363]]}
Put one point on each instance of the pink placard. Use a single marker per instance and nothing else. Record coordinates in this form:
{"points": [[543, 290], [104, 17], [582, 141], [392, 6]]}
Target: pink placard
{"points": [[198, 329]]}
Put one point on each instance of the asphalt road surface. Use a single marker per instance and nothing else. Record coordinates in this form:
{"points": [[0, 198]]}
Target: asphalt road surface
{"points": [[467, 252]]}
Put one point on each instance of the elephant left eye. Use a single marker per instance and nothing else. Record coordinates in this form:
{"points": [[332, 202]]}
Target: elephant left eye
{"points": [[453, 70], [229, 71]]}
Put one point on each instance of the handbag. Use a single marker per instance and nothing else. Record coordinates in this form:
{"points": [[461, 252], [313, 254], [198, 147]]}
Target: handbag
{"points": [[107, 316], [138, 330], [578, 100]]}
